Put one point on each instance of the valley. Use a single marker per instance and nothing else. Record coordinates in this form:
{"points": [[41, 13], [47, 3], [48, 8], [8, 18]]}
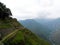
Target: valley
{"points": [[49, 29]]}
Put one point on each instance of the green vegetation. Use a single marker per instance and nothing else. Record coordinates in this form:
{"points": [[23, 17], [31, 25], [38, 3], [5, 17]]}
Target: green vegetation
{"points": [[9, 23], [25, 37], [4, 11], [21, 37], [11, 32]]}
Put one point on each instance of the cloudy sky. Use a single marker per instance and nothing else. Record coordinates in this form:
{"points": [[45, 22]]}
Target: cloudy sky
{"points": [[28, 9]]}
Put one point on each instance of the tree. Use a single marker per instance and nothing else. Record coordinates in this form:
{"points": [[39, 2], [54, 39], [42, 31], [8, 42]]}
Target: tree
{"points": [[4, 11]]}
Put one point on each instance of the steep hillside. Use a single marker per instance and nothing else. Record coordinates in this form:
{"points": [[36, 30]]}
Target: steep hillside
{"points": [[25, 37], [7, 26], [54, 25], [36, 27], [18, 35], [13, 33], [55, 37]]}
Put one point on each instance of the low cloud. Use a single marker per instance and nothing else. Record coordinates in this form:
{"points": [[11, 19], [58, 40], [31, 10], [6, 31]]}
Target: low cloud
{"points": [[26, 9]]}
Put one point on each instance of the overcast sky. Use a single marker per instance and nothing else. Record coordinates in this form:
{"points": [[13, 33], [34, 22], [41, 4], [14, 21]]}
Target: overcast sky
{"points": [[27, 9]]}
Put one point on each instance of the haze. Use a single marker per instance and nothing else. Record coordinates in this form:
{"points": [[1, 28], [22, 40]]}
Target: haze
{"points": [[29, 9]]}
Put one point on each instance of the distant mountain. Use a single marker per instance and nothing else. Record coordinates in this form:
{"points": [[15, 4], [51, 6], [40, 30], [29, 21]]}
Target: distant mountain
{"points": [[45, 28], [55, 37], [53, 24], [36, 27]]}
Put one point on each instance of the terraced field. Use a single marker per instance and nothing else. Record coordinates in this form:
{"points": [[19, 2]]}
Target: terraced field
{"points": [[23, 36]]}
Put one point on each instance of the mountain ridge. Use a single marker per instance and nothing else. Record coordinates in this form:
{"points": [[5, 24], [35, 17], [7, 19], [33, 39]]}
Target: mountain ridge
{"points": [[36, 28]]}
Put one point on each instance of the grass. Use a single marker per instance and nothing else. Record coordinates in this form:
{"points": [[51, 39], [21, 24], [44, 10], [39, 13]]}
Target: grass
{"points": [[20, 37], [26, 37], [6, 25], [9, 23]]}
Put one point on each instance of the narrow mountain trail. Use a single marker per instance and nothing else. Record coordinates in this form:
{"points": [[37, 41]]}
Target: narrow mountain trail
{"points": [[12, 34]]}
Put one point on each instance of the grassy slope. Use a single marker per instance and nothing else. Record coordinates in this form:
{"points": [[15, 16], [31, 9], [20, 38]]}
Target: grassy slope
{"points": [[25, 37], [9, 23], [7, 26], [22, 37]]}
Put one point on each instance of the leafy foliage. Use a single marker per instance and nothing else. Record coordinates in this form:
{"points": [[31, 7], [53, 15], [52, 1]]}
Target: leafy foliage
{"points": [[4, 11]]}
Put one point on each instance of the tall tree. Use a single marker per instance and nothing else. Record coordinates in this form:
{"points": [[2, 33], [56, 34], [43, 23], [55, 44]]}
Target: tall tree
{"points": [[4, 11]]}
